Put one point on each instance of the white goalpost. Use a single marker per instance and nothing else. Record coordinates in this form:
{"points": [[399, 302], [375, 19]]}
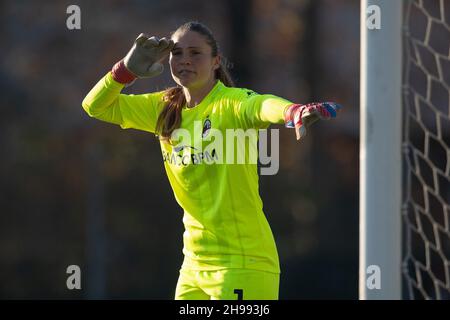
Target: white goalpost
{"points": [[380, 152], [405, 151]]}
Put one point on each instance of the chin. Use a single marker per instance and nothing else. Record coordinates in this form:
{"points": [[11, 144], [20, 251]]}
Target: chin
{"points": [[182, 81], [185, 82], [188, 83]]}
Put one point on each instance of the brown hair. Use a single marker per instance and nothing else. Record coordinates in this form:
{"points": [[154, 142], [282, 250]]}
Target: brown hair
{"points": [[170, 117]]}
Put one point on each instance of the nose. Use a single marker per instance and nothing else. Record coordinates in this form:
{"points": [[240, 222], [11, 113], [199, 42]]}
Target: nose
{"points": [[184, 59]]}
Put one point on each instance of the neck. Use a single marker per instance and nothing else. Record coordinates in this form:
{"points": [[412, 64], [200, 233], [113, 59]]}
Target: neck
{"points": [[195, 95]]}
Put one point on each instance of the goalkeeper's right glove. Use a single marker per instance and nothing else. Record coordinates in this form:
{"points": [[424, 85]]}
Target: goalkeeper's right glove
{"points": [[143, 60]]}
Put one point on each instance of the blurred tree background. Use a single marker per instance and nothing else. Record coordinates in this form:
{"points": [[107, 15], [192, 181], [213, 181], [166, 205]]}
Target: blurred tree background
{"points": [[75, 190]]}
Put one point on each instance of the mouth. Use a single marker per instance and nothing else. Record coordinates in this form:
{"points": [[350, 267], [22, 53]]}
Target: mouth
{"points": [[185, 72]]}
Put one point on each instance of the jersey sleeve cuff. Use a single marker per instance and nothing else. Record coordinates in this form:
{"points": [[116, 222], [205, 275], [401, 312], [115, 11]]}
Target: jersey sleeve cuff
{"points": [[121, 74]]}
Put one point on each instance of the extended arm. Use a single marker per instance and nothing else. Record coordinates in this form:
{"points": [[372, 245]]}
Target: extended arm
{"points": [[259, 111]]}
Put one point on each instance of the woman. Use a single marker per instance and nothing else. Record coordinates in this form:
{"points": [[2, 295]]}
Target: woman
{"points": [[229, 250]]}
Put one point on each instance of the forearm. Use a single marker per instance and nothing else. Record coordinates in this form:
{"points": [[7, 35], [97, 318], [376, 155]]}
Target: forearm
{"points": [[273, 108], [102, 96]]}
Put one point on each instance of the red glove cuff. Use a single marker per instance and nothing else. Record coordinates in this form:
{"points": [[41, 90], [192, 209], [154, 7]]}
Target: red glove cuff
{"points": [[121, 74], [289, 120]]}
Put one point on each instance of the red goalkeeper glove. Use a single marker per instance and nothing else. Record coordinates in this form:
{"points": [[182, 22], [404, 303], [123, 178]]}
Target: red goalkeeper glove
{"points": [[301, 116]]}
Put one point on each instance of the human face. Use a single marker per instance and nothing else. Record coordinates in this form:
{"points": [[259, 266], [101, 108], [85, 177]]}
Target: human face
{"points": [[191, 61]]}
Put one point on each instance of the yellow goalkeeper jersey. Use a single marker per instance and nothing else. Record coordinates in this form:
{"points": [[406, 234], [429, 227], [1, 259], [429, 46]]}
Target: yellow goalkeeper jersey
{"points": [[225, 226]]}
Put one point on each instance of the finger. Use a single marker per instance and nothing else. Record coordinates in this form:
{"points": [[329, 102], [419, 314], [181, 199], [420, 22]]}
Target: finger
{"points": [[308, 112], [316, 111], [141, 39], [332, 108], [324, 113], [298, 116], [166, 51], [166, 45], [151, 43], [171, 44], [297, 132], [163, 43], [335, 105], [310, 119], [300, 131]]}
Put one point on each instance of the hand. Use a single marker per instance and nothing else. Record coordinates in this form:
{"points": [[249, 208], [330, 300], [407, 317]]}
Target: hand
{"points": [[300, 116], [145, 57]]}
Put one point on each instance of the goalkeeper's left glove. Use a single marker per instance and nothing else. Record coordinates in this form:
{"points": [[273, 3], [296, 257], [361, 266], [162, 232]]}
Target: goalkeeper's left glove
{"points": [[301, 116]]}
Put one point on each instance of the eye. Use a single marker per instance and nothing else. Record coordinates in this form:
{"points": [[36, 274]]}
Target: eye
{"points": [[176, 53]]}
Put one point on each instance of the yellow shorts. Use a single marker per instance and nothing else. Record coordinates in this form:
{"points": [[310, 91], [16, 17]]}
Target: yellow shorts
{"points": [[227, 284]]}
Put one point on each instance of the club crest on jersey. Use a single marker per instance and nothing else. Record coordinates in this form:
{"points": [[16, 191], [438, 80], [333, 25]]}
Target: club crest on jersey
{"points": [[206, 128]]}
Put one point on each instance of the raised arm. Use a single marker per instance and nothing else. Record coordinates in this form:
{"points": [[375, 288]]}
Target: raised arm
{"points": [[105, 102]]}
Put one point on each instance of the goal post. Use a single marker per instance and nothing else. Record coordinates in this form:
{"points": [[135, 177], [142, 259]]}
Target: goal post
{"points": [[405, 150], [380, 151]]}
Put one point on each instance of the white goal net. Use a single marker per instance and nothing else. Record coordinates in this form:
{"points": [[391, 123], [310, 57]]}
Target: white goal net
{"points": [[426, 149]]}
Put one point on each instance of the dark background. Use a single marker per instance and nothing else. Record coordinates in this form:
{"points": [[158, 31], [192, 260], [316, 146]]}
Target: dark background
{"points": [[75, 190]]}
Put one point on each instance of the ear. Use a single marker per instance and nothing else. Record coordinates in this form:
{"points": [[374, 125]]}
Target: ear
{"points": [[216, 62]]}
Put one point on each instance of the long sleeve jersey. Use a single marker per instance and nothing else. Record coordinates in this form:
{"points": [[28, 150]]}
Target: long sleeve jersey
{"points": [[225, 226]]}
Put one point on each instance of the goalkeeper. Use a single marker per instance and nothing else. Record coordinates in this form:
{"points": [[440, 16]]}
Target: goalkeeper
{"points": [[229, 250]]}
